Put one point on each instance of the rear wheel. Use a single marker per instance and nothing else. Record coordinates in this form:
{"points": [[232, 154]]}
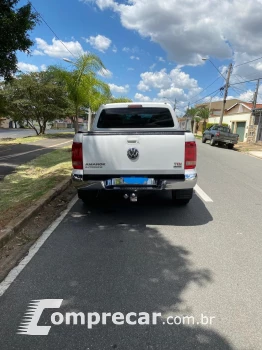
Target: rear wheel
{"points": [[182, 197], [212, 142], [203, 139], [88, 197], [230, 146]]}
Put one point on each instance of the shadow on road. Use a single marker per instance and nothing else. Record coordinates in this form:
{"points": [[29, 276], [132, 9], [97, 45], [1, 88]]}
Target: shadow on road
{"points": [[152, 209], [109, 260]]}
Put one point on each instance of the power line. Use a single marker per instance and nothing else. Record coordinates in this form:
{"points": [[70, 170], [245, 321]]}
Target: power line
{"points": [[247, 81], [202, 90], [214, 92], [241, 64], [52, 30]]}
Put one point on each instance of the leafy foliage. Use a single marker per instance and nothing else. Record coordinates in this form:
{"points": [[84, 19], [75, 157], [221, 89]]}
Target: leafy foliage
{"points": [[211, 124], [35, 98], [83, 87], [14, 27]]}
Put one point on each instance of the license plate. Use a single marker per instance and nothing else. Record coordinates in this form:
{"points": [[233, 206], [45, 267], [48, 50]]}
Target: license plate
{"points": [[135, 180], [228, 141]]}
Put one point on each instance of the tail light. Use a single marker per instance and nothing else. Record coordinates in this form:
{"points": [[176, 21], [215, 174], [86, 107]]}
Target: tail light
{"points": [[190, 155], [218, 134], [77, 155]]}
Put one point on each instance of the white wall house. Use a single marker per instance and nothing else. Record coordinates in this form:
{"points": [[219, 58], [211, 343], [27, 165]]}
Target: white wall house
{"points": [[238, 117]]}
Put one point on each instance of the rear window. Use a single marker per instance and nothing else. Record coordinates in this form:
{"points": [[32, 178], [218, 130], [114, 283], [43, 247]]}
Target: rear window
{"points": [[223, 128], [142, 117]]}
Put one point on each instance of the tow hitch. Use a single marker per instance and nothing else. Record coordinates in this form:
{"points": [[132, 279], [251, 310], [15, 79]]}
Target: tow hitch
{"points": [[132, 197]]}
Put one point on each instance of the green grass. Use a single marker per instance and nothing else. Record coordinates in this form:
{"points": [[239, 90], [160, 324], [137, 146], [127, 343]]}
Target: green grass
{"points": [[31, 181], [31, 139]]}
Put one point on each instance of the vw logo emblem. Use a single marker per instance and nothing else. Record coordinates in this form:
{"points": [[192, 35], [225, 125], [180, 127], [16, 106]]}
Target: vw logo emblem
{"points": [[132, 153]]}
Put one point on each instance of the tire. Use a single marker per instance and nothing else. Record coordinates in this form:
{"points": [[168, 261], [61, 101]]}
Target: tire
{"points": [[212, 142], [182, 197], [230, 146], [203, 139], [88, 197]]}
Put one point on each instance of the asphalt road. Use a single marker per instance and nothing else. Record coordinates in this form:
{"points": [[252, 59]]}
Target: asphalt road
{"points": [[152, 257], [12, 156], [15, 133]]}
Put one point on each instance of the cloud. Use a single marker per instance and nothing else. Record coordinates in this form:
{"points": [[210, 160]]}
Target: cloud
{"points": [[119, 89], [99, 42], [59, 49], [43, 67], [153, 66], [134, 58], [130, 69], [187, 33], [102, 4], [142, 98], [161, 59], [106, 73], [26, 67], [37, 53], [114, 49], [175, 84]]}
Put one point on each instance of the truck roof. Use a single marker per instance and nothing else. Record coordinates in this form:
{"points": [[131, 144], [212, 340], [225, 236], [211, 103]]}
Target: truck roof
{"points": [[144, 104]]}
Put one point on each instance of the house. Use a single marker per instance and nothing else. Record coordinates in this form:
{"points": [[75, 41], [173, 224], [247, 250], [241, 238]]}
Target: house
{"points": [[239, 118], [184, 123], [216, 107], [255, 129]]}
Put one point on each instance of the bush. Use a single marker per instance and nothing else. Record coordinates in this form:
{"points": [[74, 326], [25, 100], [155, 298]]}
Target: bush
{"points": [[208, 125]]}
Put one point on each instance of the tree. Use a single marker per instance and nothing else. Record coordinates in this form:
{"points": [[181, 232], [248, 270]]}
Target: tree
{"points": [[81, 82], [192, 112], [119, 100], [203, 113], [14, 27], [35, 98]]}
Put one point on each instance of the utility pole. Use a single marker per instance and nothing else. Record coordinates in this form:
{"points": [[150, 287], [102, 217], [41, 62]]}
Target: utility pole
{"points": [[175, 104], [225, 94], [255, 102], [210, 105]]}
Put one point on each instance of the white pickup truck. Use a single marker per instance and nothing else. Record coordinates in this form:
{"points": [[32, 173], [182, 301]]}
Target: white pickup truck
{"points": [[134, 147]]}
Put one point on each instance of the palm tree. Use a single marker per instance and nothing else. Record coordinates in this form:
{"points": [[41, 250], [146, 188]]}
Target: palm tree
{"points": [[203, 113], [192, 112], [81, 82]]}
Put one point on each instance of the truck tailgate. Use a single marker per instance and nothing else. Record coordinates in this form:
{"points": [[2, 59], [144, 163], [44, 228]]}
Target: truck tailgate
{"points": [[158, 153]]}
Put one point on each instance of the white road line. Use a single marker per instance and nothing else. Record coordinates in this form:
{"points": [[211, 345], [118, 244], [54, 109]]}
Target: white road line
{"points": [[5, 284], [202, 194], [35, 150]]}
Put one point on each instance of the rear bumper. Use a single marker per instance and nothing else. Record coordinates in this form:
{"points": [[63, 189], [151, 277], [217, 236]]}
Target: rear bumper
{"points": [[157, 183], [225, 140]]}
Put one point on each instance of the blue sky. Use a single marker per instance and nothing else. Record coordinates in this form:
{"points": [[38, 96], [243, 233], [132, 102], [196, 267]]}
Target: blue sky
{"points": [[153, 50]]}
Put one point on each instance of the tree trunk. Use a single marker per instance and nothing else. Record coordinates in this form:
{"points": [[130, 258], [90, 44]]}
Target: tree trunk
{"points": [[76, 121], [192, 125], [33, 127], [195, 127], [44, 127], [89, 119]]}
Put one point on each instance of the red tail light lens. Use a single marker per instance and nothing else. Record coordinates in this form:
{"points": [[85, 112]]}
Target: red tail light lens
{"points": [[218, 134], [190, 155], [77, 155]]}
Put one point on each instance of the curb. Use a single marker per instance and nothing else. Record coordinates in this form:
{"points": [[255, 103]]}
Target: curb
{"points": [[15, 225]]}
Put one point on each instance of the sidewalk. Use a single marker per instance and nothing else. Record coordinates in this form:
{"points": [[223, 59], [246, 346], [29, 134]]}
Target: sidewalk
{"points": [[257, 154]]}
